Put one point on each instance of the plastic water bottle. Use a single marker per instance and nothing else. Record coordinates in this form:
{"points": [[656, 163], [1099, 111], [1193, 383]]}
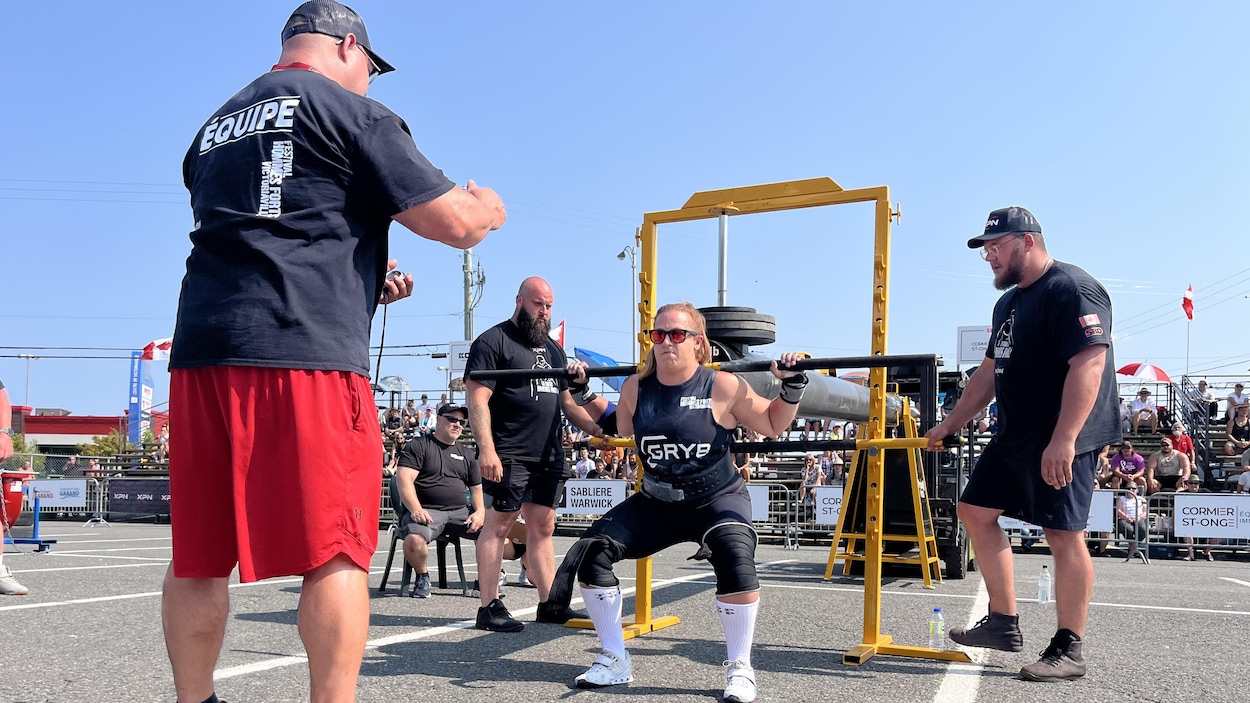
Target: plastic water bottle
{"points": [[937, 630], [1043, 586]]}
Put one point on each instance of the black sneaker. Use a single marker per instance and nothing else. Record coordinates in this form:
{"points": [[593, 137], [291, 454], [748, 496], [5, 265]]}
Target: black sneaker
{"points": [[1061, 661], [422, 587], [557, 614], [994, 631], [496, 618]]}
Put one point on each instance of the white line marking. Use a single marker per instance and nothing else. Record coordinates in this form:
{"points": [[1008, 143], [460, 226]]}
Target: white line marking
{"points": [[78, 555], [244, 669], [103, 551], [961, 681], [88, 568], [62, 539], [1236, 581]]}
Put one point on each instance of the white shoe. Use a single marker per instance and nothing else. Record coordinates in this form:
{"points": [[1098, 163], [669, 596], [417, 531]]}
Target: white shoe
{"points": [[608, 670], [523, 579], [9, 585], [740, 686]]}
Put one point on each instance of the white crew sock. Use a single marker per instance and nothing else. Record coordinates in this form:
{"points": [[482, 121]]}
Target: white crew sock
{"points": [[739, 623], [604, 607]]}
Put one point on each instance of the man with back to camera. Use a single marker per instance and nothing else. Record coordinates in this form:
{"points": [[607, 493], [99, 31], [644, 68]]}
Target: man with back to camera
{"points": [[1053, 378], [294, 183], [517, 426]]}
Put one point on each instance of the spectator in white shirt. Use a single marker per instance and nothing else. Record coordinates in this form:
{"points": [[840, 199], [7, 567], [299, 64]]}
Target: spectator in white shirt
{"points": [[1144, 410], [1236, 399]]}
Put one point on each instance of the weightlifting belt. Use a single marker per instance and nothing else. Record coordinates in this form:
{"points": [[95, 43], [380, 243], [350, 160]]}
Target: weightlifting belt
{"points": [[689, 487]]}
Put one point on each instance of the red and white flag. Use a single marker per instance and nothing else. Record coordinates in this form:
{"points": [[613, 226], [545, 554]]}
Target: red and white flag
{"points": [[1187, 303], [557, 334], [158, 350]]}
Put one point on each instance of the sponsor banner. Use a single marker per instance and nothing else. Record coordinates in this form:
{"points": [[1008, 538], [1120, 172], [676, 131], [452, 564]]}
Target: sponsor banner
{"points": [[591, 496], [759, 502], [828, 504], [1212, 515], [973, 341], [458, 356], [60, 493], [140, 496], [1101, 516]]}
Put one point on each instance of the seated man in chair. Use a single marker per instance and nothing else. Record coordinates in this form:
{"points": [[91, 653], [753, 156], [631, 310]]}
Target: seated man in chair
{"points": [[434, 474]]}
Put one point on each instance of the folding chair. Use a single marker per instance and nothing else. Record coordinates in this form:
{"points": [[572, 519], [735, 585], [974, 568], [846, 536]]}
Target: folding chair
{"points": [[440, 545]]}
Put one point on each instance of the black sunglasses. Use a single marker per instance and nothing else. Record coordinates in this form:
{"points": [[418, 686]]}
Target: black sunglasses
{"points": [[455, 420], [678, 335]]}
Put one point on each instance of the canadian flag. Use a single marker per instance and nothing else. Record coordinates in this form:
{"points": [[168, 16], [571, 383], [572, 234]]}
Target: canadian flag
{"points": [[1187, 303], [557, 334], [158, 350]]}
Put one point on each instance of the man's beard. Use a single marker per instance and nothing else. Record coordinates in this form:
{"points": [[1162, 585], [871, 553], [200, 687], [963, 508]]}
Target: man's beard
{"points": [[1012, 273], [534, 330]]}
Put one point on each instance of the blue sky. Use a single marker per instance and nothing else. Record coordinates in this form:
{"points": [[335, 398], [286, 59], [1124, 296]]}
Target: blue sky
{"points": [[1121, 126]]}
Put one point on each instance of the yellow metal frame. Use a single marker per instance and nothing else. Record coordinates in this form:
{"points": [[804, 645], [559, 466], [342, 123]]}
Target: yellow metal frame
{"points": [[774, 197]]}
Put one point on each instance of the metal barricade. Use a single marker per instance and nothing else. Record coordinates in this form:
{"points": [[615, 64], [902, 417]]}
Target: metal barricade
{"points": [[1224, 515]]}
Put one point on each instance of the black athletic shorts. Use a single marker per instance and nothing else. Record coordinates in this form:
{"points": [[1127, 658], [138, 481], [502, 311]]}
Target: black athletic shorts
{"points": [[1014, 485], [646, 525], [537, 482]]}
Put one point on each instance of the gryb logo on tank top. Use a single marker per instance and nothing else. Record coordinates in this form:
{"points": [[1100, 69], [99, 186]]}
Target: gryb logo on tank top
{"points": [[657, 447], [1003, 339], [542, 385]]}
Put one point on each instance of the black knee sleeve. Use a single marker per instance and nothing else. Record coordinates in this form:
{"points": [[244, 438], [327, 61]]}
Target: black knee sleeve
{"points": [[518, 550], [596, 567], [590, 549], [732, 547]]}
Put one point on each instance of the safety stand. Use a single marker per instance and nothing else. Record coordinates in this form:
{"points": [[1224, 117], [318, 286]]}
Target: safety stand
{"points": [[926, 553], [873, 539], [41, 545]]}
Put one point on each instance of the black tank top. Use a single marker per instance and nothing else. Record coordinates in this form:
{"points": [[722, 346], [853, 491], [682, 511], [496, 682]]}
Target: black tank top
{"points": [[679, 440], [1241, 432]]}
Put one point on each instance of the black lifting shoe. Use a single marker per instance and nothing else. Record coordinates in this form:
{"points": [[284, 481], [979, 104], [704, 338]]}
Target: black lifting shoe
{"points": [[557, 614], [1061, 661], [495, 617], [994, 631]]}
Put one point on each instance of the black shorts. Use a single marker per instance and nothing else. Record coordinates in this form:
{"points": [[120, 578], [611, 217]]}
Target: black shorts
{"points": [[1168, 483], [1014, 485], [646, 525], [442, 521], [537, 482]]}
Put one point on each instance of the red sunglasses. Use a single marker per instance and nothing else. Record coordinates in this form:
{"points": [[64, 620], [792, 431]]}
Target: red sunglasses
{"points": [[678, 335]]}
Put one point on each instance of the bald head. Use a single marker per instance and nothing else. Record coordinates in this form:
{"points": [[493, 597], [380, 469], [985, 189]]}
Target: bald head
{"points": [[533, 309]]}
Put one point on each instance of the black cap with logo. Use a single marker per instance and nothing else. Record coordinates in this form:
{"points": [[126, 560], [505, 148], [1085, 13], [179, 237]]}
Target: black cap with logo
{"points": [[453, 408], [335, 20], [1004, 221]]}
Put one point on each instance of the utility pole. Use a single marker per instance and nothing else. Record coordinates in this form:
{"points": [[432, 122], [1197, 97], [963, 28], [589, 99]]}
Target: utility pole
{"points": [[468, 293], [28, 358]]}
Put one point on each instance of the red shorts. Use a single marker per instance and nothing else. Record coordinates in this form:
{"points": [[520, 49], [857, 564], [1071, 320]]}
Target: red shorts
{"points": [[277, 470]]}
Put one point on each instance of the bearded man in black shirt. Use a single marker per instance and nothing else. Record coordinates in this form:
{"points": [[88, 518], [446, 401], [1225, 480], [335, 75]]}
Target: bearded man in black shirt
{"points": [[1050, 367]]}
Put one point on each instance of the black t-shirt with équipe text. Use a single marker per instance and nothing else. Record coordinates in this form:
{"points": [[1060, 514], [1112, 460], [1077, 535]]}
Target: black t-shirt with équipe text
{"points": [[525, 414], [293, 184], [444, 471], [1037, 330]]}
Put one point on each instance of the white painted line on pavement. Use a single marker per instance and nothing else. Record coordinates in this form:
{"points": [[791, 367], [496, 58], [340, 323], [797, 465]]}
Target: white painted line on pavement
{"points": [[268, 664], [961, 681], [1236, 581], [105, 566]]}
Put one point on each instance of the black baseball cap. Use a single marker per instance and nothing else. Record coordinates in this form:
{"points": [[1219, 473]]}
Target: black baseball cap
{"points": [[332, 19], [1005, 221], [453, 408]]}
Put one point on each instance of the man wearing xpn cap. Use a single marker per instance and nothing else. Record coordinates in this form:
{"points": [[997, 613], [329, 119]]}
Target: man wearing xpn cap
{"points": [[1049, 366], [294, 183]]}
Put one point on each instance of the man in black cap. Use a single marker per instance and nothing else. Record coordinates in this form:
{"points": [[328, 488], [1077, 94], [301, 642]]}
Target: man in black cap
{"points": [[294, 183], [434, 474], [1053, 378]]}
